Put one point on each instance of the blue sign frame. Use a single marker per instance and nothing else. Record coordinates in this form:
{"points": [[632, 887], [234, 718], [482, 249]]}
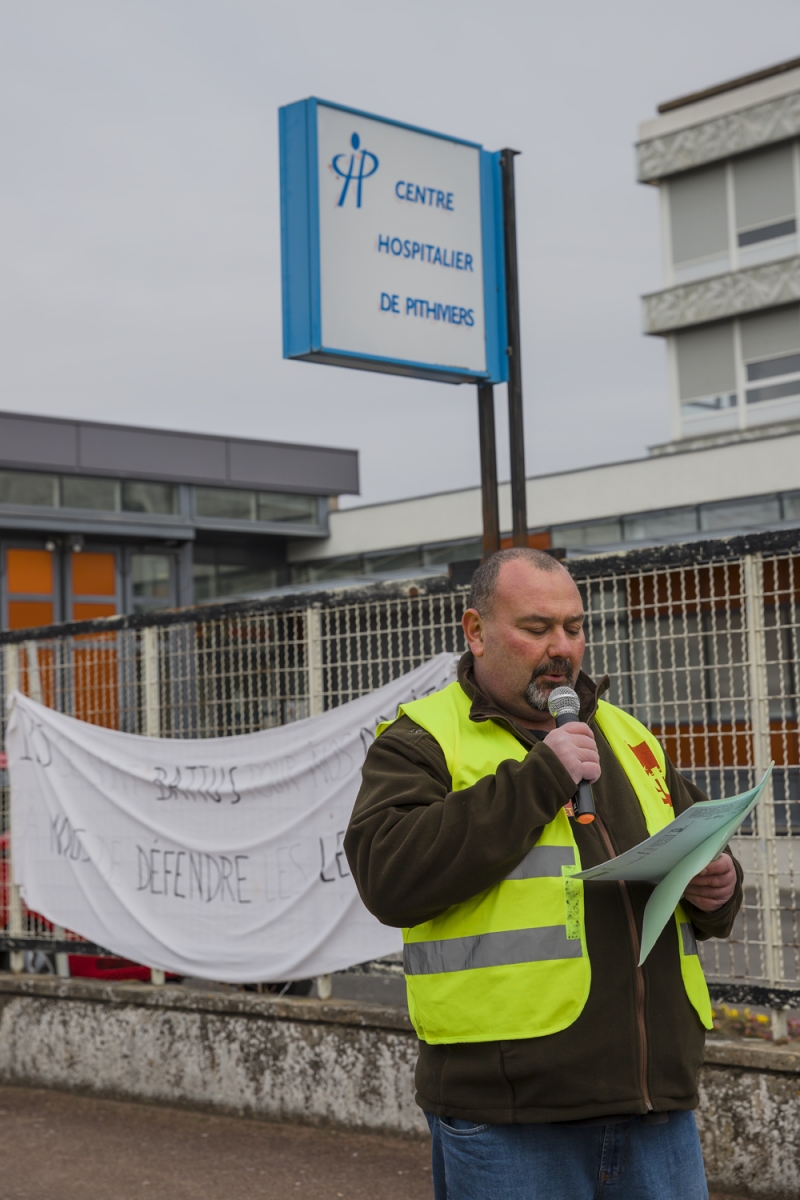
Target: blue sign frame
{"points": [[300, 254]]}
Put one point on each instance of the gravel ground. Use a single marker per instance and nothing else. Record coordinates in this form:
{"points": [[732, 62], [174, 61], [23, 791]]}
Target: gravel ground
{"points": [[57, 1146]]}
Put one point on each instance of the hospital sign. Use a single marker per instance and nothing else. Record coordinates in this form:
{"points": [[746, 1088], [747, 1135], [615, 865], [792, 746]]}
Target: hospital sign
{"points": [[392, 252]]}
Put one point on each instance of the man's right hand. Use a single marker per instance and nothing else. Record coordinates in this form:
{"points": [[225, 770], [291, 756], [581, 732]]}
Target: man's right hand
{"points": [[576, 750]]}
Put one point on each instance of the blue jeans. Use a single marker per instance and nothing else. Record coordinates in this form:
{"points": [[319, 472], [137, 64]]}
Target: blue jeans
{"points": [[629, 1160]]}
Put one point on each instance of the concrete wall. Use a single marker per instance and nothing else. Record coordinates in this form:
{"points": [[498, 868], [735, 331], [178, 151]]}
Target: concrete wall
{"points": [[749, 1119], [337, 1062]]}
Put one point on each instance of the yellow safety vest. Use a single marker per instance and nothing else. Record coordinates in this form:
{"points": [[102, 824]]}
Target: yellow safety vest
{"points": [[512, 962]]}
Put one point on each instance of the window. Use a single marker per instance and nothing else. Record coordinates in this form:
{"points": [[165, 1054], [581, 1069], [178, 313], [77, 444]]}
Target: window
{"points": [[600, 533], [740, 514], [151, 581], [452, 552], [400, 560], [233, 504], [225, 503], [751, 198], [149, 497], [231, 570], [790, 504], [85, 492], [707, 371], [22, 487], [82, 491], [275, 506], [204, 580], [655, 525], [323, 569], [771, 351], [699, 223], [765, 203]]}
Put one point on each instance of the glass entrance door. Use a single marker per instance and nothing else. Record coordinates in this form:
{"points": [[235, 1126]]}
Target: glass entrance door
{"points": [[152, 581]]}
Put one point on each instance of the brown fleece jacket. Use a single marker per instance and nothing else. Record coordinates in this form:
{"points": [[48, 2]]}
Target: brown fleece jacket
{"points": [[415, 848]]}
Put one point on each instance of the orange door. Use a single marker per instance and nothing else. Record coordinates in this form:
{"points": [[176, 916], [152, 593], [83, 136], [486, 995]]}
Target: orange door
{"points": [[93, 594], [29, 587], [93, 580], [31, 602]]}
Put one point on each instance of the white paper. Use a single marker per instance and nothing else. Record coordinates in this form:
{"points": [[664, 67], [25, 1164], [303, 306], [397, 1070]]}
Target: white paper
{"points": [[221, 857], [672, 857], [654, 858]]}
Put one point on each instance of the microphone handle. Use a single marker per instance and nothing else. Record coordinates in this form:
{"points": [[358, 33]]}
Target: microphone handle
{"points": [[583, 801], [583, 805]]}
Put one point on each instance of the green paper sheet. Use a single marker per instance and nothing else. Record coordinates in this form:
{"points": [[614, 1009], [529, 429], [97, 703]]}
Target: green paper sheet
{"points": [[674, 855]]}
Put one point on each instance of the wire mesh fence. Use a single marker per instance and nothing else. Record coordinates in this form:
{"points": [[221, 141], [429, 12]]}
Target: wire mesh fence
{"points": [[700, 643]]}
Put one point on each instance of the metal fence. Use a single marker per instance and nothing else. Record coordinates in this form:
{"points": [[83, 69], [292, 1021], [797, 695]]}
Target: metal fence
{"points": [[700, 642]]}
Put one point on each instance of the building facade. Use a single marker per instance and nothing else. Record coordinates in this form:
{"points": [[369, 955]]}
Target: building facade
{"points": [[98, 519], [727, 166]]}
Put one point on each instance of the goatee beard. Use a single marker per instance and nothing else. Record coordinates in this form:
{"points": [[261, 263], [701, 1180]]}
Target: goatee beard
{"points": [[538, 694]]}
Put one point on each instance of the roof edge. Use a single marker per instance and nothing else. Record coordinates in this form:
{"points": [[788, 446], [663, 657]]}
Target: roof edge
{"points": [[729, 86], [158, 429]]}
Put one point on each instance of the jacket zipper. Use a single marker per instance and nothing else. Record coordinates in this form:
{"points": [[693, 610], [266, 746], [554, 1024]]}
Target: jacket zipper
{"points": [[640, 1021]]}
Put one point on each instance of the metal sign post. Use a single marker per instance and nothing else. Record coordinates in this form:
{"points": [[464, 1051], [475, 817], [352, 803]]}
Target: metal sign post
{"points": [[491, 508], [516, 436]]}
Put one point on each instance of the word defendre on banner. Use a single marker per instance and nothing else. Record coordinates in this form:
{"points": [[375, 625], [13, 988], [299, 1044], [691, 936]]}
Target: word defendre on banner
{"points": [[215, 857]]}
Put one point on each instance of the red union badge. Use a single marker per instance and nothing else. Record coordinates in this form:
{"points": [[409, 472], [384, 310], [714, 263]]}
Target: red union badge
{"points": [[650, 763]]}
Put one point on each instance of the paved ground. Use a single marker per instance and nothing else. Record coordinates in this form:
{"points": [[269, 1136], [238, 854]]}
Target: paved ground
{"points": [[55, 1146]]}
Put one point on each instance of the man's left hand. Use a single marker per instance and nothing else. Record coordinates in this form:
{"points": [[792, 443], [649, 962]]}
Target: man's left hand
{"points": [[714, 886]]}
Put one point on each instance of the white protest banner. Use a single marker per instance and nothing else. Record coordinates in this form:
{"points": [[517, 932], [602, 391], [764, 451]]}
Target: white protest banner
{"points": [[220, 858]]}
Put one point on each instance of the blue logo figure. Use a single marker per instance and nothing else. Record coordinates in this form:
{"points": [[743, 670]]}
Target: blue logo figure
{"points": [[362, 164]]}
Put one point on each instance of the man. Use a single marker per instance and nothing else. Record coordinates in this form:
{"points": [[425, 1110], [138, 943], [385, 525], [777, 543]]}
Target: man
{"points": [[551, 1065]]}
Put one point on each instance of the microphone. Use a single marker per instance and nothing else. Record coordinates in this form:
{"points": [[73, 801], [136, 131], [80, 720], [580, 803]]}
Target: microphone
{"points": [[565, 706]]}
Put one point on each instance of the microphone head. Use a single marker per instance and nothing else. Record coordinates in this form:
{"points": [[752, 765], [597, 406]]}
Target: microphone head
{"points": [[563, 700]]}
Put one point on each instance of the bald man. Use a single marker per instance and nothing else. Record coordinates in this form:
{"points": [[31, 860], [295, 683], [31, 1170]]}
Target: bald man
{"points": [[551, 1065]]}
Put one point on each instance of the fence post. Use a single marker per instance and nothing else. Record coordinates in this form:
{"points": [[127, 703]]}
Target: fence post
{"points": [[150, 679], [15, 926], [753, 579], [36, 693], [34, 675], [316, 705], [152, 715]]}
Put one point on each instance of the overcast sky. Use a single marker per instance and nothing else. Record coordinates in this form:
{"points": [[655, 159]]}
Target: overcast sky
{"points": [[139, 208]]}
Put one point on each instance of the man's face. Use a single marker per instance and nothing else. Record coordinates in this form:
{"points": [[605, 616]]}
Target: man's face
{"points": [[531, 641]]}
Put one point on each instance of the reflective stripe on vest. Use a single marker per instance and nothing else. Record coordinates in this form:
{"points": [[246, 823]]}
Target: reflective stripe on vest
{"points": [[504, 949], [543, 862], [512, 961], [688, 940]]}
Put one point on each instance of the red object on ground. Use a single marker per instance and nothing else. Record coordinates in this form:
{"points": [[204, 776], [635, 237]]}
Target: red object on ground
{"points": [[108, 966]]}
